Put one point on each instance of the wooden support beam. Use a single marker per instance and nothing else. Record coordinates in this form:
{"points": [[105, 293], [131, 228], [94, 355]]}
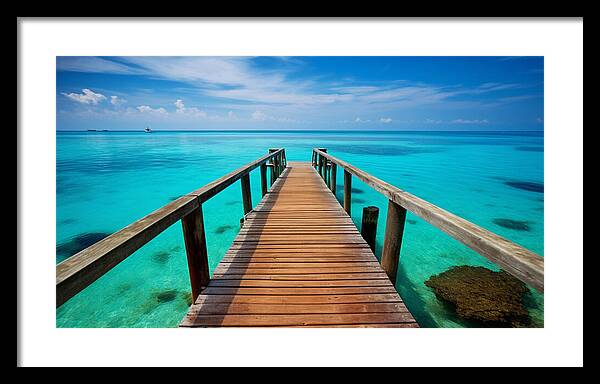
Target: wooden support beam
{"points": [[394, 230], [347, 191], [195, 249], [368, 229], [333, 183], [246, 194], [322, 161], [263, 179], [279, 164], [275, 169], [271, 173]]}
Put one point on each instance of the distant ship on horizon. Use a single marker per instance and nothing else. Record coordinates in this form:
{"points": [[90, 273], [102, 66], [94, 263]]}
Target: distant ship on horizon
{"points": [[147, 130]]}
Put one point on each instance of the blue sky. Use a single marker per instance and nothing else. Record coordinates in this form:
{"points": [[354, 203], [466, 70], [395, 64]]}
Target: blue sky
{"points": [[287, 93]]}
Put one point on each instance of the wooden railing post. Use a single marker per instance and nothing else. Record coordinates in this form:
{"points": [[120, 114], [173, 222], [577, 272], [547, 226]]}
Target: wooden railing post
{"points": [[273, 167], [263, 179], [347, 191], [246, 196], [195, 249], [322, 162], [279, 164], [394, 230], [368, 229], [271, 173], [333, 182]]}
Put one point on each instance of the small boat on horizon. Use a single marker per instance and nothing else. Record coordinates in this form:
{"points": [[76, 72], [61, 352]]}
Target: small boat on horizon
{"points": [[147, 130]]}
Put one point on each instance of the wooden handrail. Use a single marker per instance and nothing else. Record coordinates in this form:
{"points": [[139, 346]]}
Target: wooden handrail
{"points": [[514, 259], [82, 269]]}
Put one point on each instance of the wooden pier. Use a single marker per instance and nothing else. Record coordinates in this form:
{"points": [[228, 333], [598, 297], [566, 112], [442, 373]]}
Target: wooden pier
{"points": [[298, 259]]}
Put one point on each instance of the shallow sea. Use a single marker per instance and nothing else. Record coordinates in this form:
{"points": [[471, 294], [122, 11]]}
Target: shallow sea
{"points": [[106, 180]]}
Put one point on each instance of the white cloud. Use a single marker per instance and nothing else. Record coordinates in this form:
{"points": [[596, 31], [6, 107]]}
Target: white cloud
{"points": [[148, 109], [193, 111], [385, 120], [464, 121], [179, 105], [87, 97], [258, 115], [115, 100]]}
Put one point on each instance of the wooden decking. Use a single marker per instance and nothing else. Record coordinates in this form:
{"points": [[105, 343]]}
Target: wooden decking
{"points": [[299, 261]]}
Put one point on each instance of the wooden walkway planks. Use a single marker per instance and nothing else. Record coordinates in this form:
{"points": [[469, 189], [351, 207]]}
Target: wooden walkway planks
{"points": [[299, 261]]}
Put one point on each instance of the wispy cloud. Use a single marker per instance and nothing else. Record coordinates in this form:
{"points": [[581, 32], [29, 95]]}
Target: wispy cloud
{"points": [[93, 64], [258, 115], [467, 121], [148, 109], [115, 100], [385, 120], [87, 97], [191, 111]]}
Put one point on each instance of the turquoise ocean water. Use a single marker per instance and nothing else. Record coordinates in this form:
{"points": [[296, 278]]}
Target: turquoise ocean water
{"points": [[106, 180]]}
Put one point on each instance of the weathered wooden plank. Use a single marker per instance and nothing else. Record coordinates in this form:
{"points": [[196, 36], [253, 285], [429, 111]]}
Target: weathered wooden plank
{"points": [[334, 259], [305, 277], [270, 283], [383, 325], [297, 291], [199, 320], [293, 309], [295, 271], [284, 265], [301, 299]]}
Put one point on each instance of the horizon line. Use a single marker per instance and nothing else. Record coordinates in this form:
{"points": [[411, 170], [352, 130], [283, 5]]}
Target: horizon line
{"points": [[295, 130]]}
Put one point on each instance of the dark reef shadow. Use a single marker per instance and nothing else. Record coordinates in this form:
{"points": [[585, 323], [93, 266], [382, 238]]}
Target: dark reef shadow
{"points": [[529, 186], [78, 243]]}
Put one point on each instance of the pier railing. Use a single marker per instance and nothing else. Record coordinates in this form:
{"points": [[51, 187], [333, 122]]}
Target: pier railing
{"points": [[82, 269], [514, 259]]}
